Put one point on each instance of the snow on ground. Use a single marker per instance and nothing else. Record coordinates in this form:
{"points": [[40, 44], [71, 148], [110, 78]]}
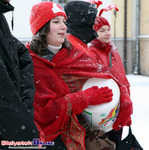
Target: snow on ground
{"points": [[139, 87]]}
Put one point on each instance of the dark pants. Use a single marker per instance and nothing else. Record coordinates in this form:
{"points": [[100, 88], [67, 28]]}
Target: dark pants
{"points": [[58, 145], [115, 136]]}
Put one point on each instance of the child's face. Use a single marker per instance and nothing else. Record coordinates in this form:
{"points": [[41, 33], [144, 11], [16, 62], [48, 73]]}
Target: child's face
{"points": [[104, 34]]}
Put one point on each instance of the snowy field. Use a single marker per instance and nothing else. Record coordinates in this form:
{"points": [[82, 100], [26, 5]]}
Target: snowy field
{"points": [[140, 118]]}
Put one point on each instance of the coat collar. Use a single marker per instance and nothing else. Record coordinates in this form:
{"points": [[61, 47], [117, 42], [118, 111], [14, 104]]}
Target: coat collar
{"points": [[101, 45]]}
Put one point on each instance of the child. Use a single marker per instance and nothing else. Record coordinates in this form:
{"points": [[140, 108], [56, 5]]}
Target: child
{"points": [[103, 50]]}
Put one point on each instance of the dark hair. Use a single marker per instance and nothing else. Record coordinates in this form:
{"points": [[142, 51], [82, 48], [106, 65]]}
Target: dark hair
{"points": [[39, 44]]}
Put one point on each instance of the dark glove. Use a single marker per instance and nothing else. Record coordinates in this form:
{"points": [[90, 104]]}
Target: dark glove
{"points": [[126, 110], [90, 96]]}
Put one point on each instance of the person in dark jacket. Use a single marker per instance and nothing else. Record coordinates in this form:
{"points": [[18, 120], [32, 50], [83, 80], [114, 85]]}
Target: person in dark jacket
{"points": [[16, 85], [80, 20]]}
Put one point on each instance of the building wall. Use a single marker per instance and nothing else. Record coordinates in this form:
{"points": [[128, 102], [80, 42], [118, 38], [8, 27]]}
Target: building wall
{"points": [[117, 28], [144, 38], [144, 55], [137, 34], [144, 19], [120, 19]]}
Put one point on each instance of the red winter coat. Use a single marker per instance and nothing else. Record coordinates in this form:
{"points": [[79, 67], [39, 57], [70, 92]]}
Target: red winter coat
{"points": [[100, 51]]}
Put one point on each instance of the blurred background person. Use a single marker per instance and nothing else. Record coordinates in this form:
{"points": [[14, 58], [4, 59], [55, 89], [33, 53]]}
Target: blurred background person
{"points": [[16, 85]]}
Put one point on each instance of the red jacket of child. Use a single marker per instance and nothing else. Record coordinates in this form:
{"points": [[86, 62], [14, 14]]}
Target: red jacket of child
{"points": [[100, 51]]}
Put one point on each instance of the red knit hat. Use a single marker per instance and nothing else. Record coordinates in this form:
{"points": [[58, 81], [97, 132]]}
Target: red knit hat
{"points": [[43, 12], [100, 21]]}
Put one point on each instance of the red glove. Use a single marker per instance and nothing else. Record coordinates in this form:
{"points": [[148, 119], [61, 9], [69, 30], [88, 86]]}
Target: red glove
{"points": [[98, 95], [126, 109], [90, 96]]}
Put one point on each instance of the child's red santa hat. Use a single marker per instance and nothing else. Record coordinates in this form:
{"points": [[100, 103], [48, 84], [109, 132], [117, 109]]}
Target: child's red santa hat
{"points": [[43, 12], [101, 21]]}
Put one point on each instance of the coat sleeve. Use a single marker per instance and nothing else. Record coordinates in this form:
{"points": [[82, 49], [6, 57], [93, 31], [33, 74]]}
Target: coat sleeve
{"points": [[15, 120], [26, 75]]}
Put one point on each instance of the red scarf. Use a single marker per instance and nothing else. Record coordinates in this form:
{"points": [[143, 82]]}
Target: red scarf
{"points": [[53, 112]]}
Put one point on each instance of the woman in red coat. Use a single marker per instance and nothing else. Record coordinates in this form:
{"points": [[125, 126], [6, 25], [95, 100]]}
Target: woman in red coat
{"points": [[60, 71]]}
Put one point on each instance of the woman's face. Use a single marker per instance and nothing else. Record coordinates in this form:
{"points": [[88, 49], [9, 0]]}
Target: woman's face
{"points": [[57, 31], [104, 34]]}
